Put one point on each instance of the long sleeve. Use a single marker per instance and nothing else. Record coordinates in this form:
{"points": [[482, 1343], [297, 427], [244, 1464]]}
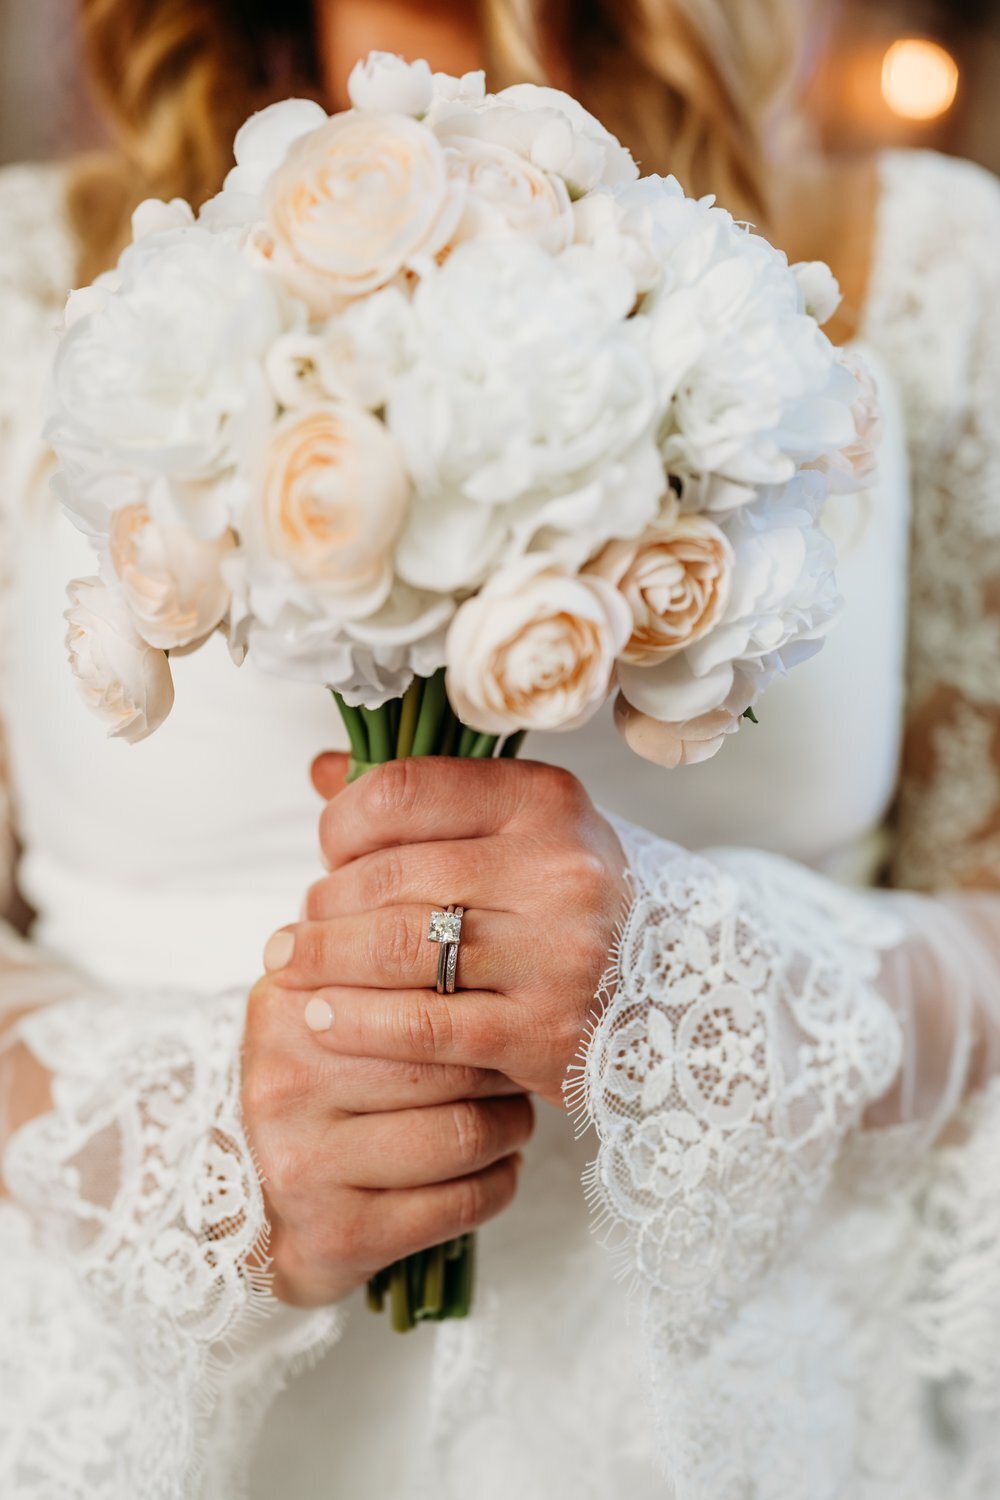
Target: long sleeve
{"points": [[795, 1086]]}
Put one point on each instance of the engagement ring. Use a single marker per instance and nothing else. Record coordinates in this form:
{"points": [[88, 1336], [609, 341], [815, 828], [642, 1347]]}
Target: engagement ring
{"points": [[446, 928]]}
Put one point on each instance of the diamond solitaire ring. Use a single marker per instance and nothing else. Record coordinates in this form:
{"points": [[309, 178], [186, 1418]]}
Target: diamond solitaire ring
{"points": [[446, 928]]}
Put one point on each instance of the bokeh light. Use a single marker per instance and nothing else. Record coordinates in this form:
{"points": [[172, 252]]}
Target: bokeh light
{"points": [[919, 79]]}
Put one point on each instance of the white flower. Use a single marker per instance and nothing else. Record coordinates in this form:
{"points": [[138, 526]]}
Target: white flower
{"points": [[820, 289], [535, 649], [854, 467], [154, 215], [162, 376], [751, 387], [546, 127], [263, 142], [782, 602], [507, 196], [527, 414], [386, 84], [170, 578], [470, 88], [688, 743], [123, 680], [356, 202], [363, 350], [332, 494]]}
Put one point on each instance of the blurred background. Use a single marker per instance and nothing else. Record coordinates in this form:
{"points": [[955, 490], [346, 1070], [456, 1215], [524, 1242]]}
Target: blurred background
{"points": [[897, 72]]}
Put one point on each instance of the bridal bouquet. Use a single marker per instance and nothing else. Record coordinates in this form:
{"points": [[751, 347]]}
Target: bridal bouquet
{"points": [[441, 405]]}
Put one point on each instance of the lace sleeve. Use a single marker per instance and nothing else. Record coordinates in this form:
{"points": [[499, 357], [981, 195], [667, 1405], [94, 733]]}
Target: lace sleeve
{"points": [[135, 1297], [777, 1055], [935, 316]]}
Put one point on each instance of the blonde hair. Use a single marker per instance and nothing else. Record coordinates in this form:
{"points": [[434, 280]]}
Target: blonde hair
{"points": [[689, 85]]}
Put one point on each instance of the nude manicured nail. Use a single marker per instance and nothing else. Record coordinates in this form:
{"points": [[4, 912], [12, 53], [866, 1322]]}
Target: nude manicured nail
{"points": [[278, 951], [319, 1015]]}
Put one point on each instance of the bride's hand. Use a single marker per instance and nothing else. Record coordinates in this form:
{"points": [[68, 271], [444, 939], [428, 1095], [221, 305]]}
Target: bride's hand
{"points": [[541, 875], [366, 1160]]}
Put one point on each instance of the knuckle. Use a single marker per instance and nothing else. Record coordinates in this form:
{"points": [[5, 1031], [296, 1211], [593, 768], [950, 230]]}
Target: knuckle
{"points": [[472, 1131], [343, 1239], [384, 879], [426, 1029], [559, 787], [471, 1203], [586, 878], [395, 946], [287, 1171], [391, 790], [315, 903]]}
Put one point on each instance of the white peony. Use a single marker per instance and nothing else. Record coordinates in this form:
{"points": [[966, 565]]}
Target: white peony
{"points": [[782, 602], [170, 578], [821, 295], [161, 376], [123, 680], [261, 145], [535, 649], [527, 416], [386, 84]]}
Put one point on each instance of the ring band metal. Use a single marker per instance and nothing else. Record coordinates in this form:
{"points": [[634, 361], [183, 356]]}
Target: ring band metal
{"points": [[446, 929]]}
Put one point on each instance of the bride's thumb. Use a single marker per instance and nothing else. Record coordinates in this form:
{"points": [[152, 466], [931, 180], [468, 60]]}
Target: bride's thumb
{"points": [[329, 773]]}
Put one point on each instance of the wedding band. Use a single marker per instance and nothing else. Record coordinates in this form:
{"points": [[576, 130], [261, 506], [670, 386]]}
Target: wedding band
{"points": [[446, 928]]}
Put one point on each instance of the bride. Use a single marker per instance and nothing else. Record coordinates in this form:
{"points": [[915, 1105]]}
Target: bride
{"points": [[791, 1163]]}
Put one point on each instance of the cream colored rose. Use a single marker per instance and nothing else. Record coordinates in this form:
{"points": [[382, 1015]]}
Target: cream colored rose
{"points": [[356, 202], [507, 195], [123, 679], [673, 745], [676, 578], [535, 649], [333, 498], [171, 578]]}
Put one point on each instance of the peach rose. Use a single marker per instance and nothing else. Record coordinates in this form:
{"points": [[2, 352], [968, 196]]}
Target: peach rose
{"points": [[125, 681], [673, 745], [676, 578], [854, 467], [333, 500], [508, 196], [354, 203], [171, 578], [535, 649]]}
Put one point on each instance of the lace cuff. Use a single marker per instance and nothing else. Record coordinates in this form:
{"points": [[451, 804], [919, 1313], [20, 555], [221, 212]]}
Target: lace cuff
{"points": [[137, 1239]]}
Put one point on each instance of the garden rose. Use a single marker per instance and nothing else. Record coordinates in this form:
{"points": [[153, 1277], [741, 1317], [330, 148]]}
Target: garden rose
{"points": [[535, 649], [676, 579], [332, 498], [170, 578], [356, 202], [123, 679], [507, 196]]}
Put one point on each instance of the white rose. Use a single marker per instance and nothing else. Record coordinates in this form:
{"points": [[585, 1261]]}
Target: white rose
{"points": [[782, 602], [356, 202], [506, 196], [535, 649], [821, 295], [162, 376], [170, 578], [386, 84], [125, 681], [546, 127], [332, 497], [528, 413]]}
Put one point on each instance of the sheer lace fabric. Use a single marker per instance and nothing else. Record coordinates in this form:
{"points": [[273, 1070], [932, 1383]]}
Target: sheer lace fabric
{"points": [[791, 1085]]}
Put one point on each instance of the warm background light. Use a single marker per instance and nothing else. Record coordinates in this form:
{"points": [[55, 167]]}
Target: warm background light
{"points": [[919, 79]]}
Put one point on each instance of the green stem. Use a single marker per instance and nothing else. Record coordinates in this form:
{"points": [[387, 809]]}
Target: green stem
{"points": [[379, 726], [432, 1296], [425, 740], [399, 1297], [511, 746], [484, 746], [466, 740], [408, 717], [354, 723]]}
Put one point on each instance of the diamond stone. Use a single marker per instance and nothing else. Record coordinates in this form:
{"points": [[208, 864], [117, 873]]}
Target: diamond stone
{"points": [[445, 927]]}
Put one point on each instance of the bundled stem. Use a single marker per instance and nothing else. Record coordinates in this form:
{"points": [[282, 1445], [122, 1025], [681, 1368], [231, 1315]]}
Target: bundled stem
{"points": [[433, 1284]]}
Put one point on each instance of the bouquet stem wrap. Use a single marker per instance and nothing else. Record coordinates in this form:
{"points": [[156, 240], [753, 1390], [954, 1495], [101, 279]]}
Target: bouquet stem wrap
{"points": [[438, 1283]]}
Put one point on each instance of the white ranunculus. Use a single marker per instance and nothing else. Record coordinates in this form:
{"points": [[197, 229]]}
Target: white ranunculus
{"points": [[821, 295], [535, 649], [386, 84], [125, 681], [162, 376], [170, 578], [354, 204], [527, 416], [546, 127], [782, 602], [507, 196]]}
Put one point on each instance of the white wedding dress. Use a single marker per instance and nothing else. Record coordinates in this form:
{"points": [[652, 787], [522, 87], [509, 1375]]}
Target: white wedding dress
{"points": [[792, 1146]]}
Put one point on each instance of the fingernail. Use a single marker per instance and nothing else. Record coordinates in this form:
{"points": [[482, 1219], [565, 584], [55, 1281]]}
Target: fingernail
{"points": [[319, 1014], [278, 951]]}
